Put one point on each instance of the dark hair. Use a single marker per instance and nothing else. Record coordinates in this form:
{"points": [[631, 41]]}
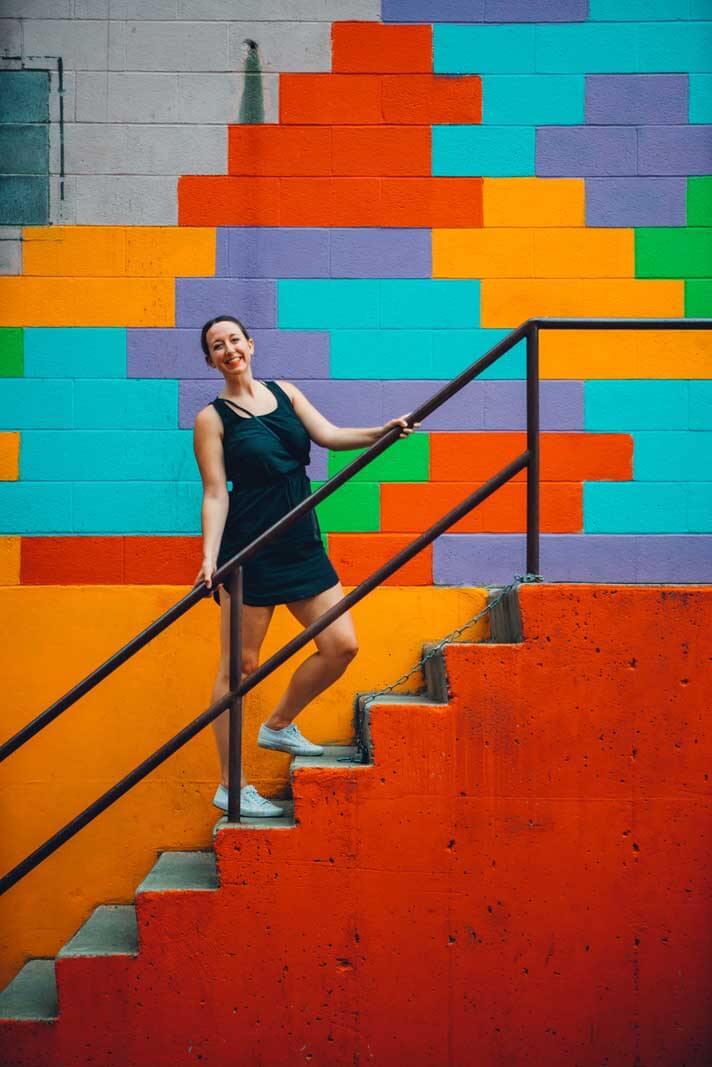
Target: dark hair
{"points": [[212, 322]]}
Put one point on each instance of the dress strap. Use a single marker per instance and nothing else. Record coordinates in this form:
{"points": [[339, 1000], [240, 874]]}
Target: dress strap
{"points": [[232, 404]]}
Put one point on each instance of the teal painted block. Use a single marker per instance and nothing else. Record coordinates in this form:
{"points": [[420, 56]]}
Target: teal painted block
{"points": [[637, 10], [35, 509], [672, 456], [354, 508], [699, 507], [634, 507], [429, 303], [483, 49], [700, 98], [325, 304], [125, 507], [35, 405], [586, 48], [189, 498], [688, 48], [621, 406], [701, 9], [455, 350], [75, 352], [24, 96], [408, 460], [533, 99], [701, 405], [24, 149], [490, 151], [24, 200], [131, 404], [381, 354], [96, 455]]}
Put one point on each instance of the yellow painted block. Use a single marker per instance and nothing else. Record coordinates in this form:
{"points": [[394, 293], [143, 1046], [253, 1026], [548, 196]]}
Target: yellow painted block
{"points": [[173, 251], [153, 696], [583, 253], [74, 251], [625, 354], [87, 301], [9, 457], [483, 253], [9, 560], [507, 303], [534, 202]]}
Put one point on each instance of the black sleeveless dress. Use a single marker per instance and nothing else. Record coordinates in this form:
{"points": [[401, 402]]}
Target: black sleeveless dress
{"points": [[265, 459]]}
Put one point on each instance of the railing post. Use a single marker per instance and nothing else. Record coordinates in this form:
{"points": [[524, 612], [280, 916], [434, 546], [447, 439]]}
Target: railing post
{"points": [[533, 449], [235, 733]]}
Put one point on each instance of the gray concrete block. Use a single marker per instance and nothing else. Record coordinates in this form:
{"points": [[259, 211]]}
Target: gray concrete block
{"points": [[176, 46], [10, 257], [95, 148], [282, 10], [91, 92], [10, 37], [217, 97], [68, 95], [184, 149], [144, 9], [283, 46], [126, 200], [140, 97], [81, 44], [91, 9], [116, 57], [62, 200], [36, 9]]}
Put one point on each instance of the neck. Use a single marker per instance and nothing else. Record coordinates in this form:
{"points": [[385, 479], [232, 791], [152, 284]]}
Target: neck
{"points": [[246, 386]]}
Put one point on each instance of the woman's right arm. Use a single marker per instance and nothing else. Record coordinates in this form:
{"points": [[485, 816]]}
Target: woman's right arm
{"points": [[208, 445]]}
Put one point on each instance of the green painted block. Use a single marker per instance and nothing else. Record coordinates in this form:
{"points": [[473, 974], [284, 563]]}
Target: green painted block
{"points": [[24, 149], [698, 298], [699, 201], [408, 460], [12, 361], [24, 96], [673, 252], [24, 200], [354, 508]]}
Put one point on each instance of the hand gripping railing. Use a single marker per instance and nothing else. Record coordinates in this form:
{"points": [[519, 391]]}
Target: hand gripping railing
{"points": [[231, 574]]}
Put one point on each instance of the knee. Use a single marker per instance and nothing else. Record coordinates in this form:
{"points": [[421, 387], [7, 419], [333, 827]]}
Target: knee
{"points": [[249, 664], [345, 650]]}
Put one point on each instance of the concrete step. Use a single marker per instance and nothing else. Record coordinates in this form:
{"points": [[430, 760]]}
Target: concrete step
{"points": [[174, 871], [32, 994], [334, 756], [109, 931], [286, 820]]}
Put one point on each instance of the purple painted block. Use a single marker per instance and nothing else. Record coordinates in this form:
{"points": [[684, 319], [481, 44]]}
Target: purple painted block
{"points": [[636, 201], [682, 558], [199, 299], [177, 353], [464, 411], [346, 403], [222, 240], [478, 559], [535, 11], [271, 252], [561, 405], [433, 10], [580, 151], [636, 99], [675, 150], [371, 253]]}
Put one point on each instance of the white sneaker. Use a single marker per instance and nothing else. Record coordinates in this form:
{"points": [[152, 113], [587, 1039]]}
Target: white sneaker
{"points": [[287, 740], [252, 804]]}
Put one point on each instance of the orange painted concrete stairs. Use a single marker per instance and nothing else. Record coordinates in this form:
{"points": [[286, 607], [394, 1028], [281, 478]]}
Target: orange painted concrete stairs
{"points": [[519, 874]]}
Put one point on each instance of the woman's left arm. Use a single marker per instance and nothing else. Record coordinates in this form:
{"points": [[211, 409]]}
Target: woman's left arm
{"points": [[338, 438]]}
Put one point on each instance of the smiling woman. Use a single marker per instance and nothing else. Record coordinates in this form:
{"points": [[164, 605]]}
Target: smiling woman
{"points": [[257, 435]]}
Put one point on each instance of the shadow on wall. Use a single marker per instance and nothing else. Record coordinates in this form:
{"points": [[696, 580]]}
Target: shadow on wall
{"points": [[252, 104]]}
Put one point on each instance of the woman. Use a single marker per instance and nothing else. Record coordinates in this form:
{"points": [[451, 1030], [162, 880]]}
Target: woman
{"points": [[257, 435]]}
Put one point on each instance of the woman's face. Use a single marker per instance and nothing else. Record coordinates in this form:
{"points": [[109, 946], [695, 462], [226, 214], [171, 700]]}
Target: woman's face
{"points": [[230, 351]]}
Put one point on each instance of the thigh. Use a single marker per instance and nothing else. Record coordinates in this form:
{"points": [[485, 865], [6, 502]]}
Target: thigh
{"points": [[255, 622], [340, 634]]}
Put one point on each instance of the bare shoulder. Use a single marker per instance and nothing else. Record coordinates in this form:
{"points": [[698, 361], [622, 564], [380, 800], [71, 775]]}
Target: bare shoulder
{"points": [[207, 420], [289, 388]]}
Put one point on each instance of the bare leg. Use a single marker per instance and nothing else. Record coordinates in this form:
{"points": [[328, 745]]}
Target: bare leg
{"points": [[336, 647], [254, 622]]}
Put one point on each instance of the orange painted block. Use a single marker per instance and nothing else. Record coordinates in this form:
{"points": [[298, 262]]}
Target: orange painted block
{"points": [[626, 354], [565, 457], [329, 201], [416, 507], [483, 253], [431, 202], [431, 98], [170, 251], [371, 47], [506, 302], [279, 150], [9, 457], [72, 561], [327, 99], [161, 560], [10, 560], [86, 301], [381, 150], [356, 556], [74, 251], [534, 202], [223, 200], [583, 253]]}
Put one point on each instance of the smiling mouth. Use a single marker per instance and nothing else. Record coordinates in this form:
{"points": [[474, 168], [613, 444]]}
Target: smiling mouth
{"points": [[233, 360]]}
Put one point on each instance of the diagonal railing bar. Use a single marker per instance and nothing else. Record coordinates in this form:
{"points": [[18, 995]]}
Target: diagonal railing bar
{"points": [[276, 660]]}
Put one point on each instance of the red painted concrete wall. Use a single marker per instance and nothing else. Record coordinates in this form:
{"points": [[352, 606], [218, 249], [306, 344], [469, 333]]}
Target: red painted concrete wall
{"points": [[522, 876]]}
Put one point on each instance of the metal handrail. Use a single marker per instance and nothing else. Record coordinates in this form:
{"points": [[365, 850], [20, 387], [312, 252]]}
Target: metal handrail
{"points": [[232, 570]]}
